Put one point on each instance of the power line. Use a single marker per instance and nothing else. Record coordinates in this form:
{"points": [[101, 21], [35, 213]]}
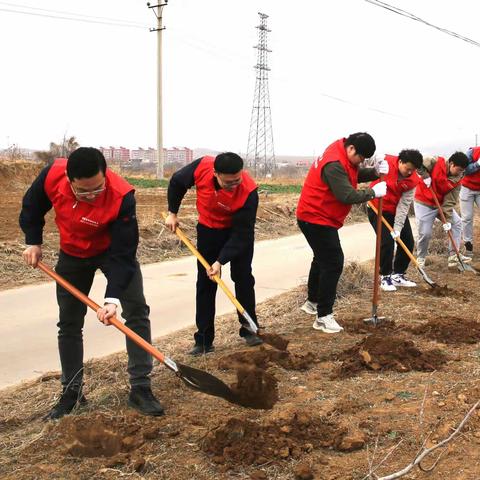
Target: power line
{"points": [[404, 13]]}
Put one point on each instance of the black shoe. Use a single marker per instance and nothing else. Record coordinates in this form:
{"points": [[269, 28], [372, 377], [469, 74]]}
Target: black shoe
{"points": [[198, 350], [469, 246], [142, 399], [252, 340], [68, 401]]}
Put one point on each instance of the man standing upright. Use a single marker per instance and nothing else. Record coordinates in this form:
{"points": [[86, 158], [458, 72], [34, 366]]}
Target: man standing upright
{"points": [[329, 191], [227, 202], [96, 219]]}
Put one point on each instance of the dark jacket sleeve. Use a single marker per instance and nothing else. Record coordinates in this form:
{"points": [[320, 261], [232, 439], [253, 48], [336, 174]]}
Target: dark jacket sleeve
{"points": [[121, 262], [335, 176], [243, 229], [35, 205], [367, 175], [180, 182]]}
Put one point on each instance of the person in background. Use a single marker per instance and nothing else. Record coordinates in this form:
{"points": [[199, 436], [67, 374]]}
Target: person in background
{"points": [[227, 202], [445, 180], [96, 219], [401, 181], [328, 193]]}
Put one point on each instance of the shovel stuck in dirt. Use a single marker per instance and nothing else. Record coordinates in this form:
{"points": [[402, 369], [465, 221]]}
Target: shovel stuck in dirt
{"points": [[462, 266], [407, 251], [272, 339], [192, 377]]}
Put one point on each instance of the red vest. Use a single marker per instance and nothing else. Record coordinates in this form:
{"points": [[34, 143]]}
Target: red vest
{"points": [[216, 207], [317, 204], [473, 181], [440, 184], [396, 185], [84, 227]]}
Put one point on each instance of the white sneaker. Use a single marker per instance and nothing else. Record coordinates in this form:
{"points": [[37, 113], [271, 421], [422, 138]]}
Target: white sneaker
{"points": [[327, 324], [386, 284], [453, 260], [309, 307], [421, 262], [400, 280]]}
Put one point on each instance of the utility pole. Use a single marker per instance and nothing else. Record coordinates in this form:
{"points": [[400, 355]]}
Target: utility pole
{"points": [[260, 151], [476, 139], [157, 10]]}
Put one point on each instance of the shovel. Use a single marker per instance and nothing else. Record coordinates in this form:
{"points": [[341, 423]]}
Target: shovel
{"points": [[407, 251], [375, 319], [273, 340], [462, 266], [192, 377]]}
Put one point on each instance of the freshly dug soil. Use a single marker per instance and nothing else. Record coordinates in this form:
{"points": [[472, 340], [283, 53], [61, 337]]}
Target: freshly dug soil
{"points": [[357, 325], [451, 330]]}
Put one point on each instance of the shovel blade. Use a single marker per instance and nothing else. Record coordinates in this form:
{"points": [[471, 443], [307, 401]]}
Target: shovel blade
{"points": [[205, 382], [373, 320]]}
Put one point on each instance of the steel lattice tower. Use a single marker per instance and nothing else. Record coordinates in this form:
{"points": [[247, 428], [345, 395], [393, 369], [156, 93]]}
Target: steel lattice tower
{"points": [[260, 151]]}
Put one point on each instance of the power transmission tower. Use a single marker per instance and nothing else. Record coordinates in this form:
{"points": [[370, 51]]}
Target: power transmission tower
{"points": [[260, 151]]}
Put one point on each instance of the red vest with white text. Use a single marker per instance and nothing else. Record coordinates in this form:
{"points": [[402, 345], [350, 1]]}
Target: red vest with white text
{"points": [[440, 184], [396, 185], [317, 204], [473, 181], [84, 227], [216, 207]]}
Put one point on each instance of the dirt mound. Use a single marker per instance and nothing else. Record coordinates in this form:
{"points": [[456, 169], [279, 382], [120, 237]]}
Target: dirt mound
{"points": [[15, 175], [275, 340], [289, 435], [384, 352], [262, 357], [445, 291], [450, 330], [255, 388], [357, 325]]}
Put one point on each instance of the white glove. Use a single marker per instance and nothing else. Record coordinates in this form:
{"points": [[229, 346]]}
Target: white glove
{"points": [[447, 226], [382, 167], [380, 189], [427, 181], [477, 163], [394, 234]]}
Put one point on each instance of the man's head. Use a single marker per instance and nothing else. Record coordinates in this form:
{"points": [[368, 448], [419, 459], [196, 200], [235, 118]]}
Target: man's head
{"points": [[86, 169], [359, 146], [409, 161], [457, 163], [228, 170]]}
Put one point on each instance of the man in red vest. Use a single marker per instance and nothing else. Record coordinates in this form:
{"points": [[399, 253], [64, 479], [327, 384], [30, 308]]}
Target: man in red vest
{"points": [[227, 202], [444, 180], [470, 196], [329, 191], [96, 219], [401, 181]]}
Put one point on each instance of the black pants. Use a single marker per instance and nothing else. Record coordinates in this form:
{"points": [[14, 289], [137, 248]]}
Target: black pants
{"points": [[326, 267], [401, 261], [210, 242], [80, 273]]}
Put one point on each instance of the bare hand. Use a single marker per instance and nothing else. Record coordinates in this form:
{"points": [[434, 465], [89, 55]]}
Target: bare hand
{"points": [[171, 222], [32, 255], [108, 311], [215, 269]]}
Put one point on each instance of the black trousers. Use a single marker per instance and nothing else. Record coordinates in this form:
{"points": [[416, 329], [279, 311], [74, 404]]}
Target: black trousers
{"points": [[388, 263], [326, 267], [80, 273], [210, 242]]}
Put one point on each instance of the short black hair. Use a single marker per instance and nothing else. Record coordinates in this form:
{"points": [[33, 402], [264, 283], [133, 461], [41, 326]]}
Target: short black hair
{"points": [[459, 159], [411, 156], [228, 162], [85, 162], [363, 142]]}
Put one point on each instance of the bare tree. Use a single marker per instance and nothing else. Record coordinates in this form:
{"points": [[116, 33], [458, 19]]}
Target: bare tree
{"points": [[56, 150]]}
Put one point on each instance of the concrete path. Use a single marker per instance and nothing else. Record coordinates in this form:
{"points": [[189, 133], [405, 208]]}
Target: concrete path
{"points": [[28, 332]]}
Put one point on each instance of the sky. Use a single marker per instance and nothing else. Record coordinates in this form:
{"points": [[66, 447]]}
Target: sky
{"points": [[337, 67]]}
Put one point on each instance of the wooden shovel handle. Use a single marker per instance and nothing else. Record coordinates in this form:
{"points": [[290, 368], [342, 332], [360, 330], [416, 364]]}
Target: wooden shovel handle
{"points": [[376, 279], [94, 306]]}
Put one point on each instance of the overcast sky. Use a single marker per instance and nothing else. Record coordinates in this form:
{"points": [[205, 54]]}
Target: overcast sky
{"points": [[338, 66]]}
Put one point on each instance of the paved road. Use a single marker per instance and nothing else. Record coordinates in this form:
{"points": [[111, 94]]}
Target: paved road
{"points": [[29, 314]]}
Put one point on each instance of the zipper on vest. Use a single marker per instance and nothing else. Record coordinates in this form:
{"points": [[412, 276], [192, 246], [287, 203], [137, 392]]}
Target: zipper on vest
{"points": [[75, 204]]}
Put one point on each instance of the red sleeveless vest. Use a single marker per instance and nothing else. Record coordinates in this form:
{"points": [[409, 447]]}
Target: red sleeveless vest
{"points": [[216, 207], [440, 183], [473, 181], [84, 227], [317, 204]]}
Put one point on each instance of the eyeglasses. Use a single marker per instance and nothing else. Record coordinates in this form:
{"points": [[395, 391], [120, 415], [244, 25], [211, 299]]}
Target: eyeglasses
{"points": [[87, 194]]}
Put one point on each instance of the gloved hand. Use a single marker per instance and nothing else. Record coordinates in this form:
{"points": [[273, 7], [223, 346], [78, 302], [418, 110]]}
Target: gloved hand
{"points": [[447, 226], [394, 234], [477, 163], [427, 181], [382, 167], [380, 189]]}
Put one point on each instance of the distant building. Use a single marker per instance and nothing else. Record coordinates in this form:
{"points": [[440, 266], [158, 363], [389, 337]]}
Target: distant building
{"points": [[120, 155], [144, 155], [182, 155]]}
